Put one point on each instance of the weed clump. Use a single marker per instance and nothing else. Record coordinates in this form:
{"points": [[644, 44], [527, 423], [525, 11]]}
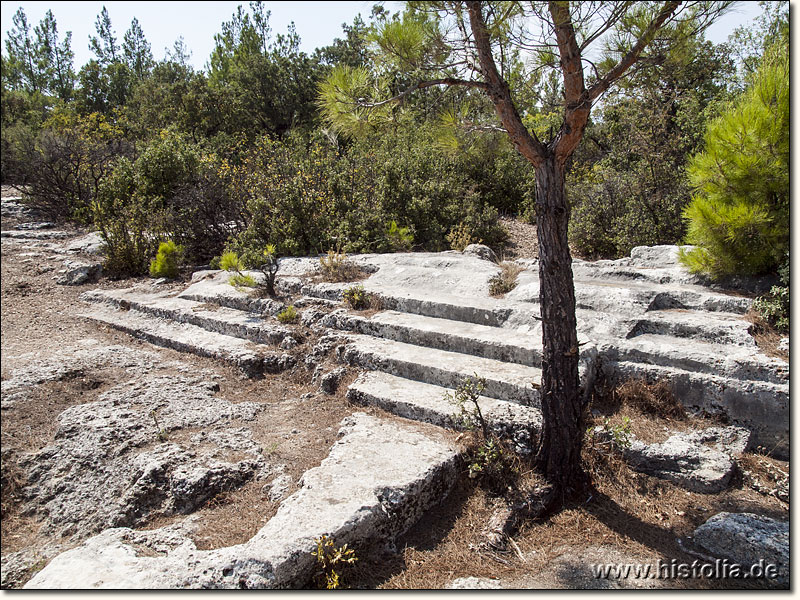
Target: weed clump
{"points": [[359, 299], [336, 267], [331, 561], [288, 315], [504, 281]]}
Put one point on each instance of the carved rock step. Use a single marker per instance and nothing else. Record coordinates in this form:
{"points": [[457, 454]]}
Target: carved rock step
{"points": [[480, 311], [426, 402], [378, 480], [445, 334], [713, 327], [219, 319], [732, 362], [504, 381], [212, 287], [750, 404], [244, 354]]}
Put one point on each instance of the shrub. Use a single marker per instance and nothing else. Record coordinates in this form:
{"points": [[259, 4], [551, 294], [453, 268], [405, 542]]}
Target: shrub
{"points": [[774, 307], [288, 315], [739, 216], [128, 226], [506, 280], [461, 236], [359, 299], [167, 260]]}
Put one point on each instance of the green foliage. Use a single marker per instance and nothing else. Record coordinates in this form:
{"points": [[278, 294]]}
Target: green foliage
{"points": [[611, 437], [465, 398], [331, 561], [506, 280], [358, 298], [627, 185], [288, 315], [774, 306], [739, 217], [242, 280], [166, 262], [399, 238], [229, 261], [128, 227]]}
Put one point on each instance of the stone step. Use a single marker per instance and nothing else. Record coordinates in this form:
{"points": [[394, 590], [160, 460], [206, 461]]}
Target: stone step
{"points": [[504, 381], [379, 479], [209, 316], [714, 327], [755, 405], [475, 310], [212, 287], [426, 402], [251, 358], [444, 334], [733, 362]]}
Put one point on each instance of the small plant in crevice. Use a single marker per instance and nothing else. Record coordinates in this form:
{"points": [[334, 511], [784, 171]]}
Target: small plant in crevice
{"points": [[242, 280], [504, 281], [336, 267], [359, 299], [287, 315], [167, 260], [162, 433], [489, 461], [268, 265], [774, 306], [229, 261], [332, 561]]}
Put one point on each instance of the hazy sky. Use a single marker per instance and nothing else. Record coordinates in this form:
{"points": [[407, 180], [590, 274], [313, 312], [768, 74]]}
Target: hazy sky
{"points": [[318, 23]]}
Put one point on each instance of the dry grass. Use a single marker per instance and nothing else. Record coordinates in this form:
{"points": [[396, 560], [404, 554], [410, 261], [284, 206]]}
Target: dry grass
{"points": [[765, 335], [504, 281], [337, 268]]}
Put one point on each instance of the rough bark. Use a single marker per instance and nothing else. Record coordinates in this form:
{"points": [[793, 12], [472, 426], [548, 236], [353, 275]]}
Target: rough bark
{"points": [[559, 444]]}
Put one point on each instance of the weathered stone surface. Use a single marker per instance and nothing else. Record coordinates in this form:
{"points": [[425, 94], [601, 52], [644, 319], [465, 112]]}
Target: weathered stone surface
{"points": [[91, 243], [329, 383], [505, 381], [120, 460], [77, 273], [213, 287], [378, 479], [688, 460], [783, 345], [481, 251], [425, 402], [246, 355], [746, 539]]}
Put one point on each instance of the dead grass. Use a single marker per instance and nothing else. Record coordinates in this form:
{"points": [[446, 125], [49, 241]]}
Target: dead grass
{"points": [[765, 335], [504, 281], [337, 268]]}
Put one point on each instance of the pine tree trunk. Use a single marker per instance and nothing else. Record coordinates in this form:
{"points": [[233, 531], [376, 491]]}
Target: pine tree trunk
{"points": [[559, 444]]}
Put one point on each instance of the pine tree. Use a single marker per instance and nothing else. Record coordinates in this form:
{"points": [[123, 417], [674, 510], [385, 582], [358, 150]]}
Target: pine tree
{"points": [[104, 44], [136, 50], [739, 217]]}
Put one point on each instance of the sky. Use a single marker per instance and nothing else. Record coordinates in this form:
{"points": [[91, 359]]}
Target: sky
{"points": [[318, 23]]}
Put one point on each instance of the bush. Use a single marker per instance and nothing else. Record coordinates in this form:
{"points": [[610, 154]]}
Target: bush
{"points": [[739, 217], [243, 280], [229, 261], [288, 315], [359, 299], [167, 260], [774, 307]]}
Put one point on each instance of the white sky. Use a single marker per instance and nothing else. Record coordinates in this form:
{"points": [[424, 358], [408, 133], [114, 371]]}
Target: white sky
{"points": [[318, 23]]}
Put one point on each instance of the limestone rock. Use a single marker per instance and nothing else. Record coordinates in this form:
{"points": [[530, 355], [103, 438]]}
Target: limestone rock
{"points": [[330, 382], [91, 243], [475, 583], [481, 251], [746, 539], [783, 345], [76, 273], [120, 460], [688, 461]]}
